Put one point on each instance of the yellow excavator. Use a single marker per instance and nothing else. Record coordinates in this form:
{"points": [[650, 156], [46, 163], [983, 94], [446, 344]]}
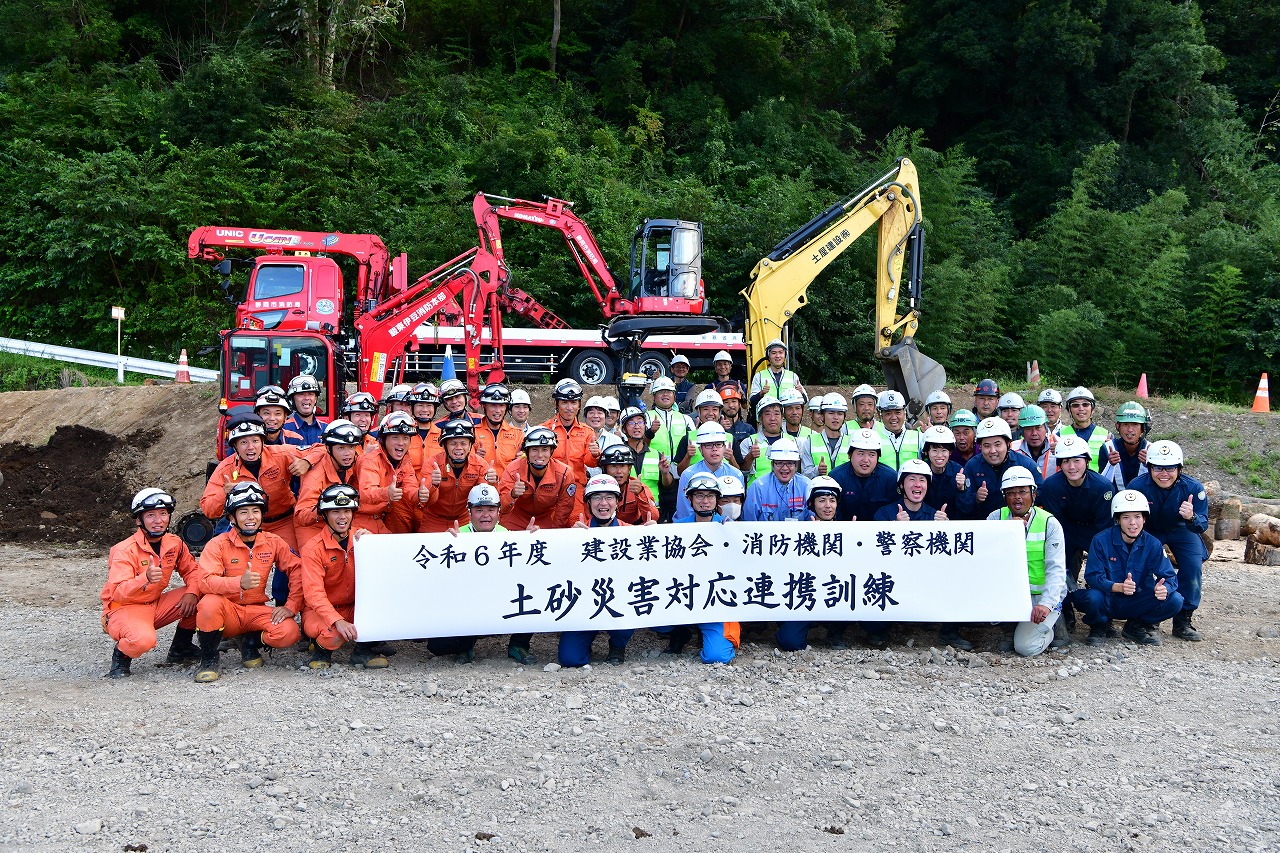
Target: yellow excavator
{"points": [[780, 280]]}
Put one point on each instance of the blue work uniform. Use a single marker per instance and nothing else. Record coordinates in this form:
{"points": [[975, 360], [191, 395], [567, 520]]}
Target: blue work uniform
{"points": [[683, 507], [716, 648], [889, 512], [769, 500], [575, 646], [862, 497], [1083, 510], [1111, 560], [1182, 536], [305, 434], [978, 471], [942, 489]]}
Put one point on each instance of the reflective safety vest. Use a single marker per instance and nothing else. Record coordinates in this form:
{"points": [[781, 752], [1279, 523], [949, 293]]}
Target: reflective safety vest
{"points": [[1035, 532], [649, 473], [763, 465], [818, 450], [1097, 439], [466, 528], [908, 447], [673, 427], [765, 381]]}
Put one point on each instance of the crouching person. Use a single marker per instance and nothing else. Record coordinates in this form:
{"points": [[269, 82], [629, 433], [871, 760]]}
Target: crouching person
{"points": [[329, 582], [134, 600], [1128, 576], [484, 505], [601, 496], [1046, 566], [719, 639], [235, 567]]}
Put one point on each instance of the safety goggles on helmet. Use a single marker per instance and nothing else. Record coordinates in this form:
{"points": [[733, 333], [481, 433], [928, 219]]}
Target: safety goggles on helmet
{"points": [[452, 388], [457, 428], [397, 423], [568, 389], [483, 495], [617, 454], [342, 432], [539, 437], [399, 394], [703, 482], [361, 401], [302, 384], [338, 496], [242, 495], [271, 395], [496, 394], [423, 392], [151, 498], [602, 484], [1130, 500], [244, 425]]}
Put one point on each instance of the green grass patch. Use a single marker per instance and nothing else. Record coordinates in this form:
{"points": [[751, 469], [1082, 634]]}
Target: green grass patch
{"points": [[27, 373], [1258, 472]]}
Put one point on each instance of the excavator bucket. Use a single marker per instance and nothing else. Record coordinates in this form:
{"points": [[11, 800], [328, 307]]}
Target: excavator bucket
{"points": [[911, 372]]}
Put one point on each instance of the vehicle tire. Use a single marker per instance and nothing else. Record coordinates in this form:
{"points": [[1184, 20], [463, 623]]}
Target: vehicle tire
{"points": [[195, 530], [654, 364], [592, 367]]}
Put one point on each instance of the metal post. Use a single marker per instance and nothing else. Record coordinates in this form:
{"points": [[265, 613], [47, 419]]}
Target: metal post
{"points": [[117, 313]]}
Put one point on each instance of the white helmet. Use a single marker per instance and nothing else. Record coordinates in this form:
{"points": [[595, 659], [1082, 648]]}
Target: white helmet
{"points": [[834, 402], [1164, 454], [915, 466], [303, 383], [398, 394], [1081, 393], [708, 397], [703, 481], [791, 398], [866, 439], [565, 389], [887, 401], [722, 355], [483, 495], [1130, 500], [680, 359], [611, 403], [823, 485], [864, 390], [662, 383], [452, 388], [1011, 401], [937, 435], [731, 487], [815, 403], [1015, 476], [776, 342], [937, 397], [993, 428], [711, 432], [602, 483], [596, 402], [1049, 395], [784, 449], [520, 397], [1071, 446], [152, 498], [609, 439], [766, 401]]}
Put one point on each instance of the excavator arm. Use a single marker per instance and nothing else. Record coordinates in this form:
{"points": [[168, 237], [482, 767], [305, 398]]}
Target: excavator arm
{"points": [[781, 280]]}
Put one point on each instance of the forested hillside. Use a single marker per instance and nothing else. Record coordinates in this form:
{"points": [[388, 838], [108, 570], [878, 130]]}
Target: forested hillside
{"points": [[1100, 177]]}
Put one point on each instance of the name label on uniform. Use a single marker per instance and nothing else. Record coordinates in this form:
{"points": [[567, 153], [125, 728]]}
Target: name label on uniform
{"points": [[440, 585]]}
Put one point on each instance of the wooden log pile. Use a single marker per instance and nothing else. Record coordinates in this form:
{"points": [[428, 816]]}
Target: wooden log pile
{"points": [[1235, 516]]}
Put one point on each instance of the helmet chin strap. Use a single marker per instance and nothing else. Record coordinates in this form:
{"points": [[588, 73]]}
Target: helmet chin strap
{"points": [[703, 513]]}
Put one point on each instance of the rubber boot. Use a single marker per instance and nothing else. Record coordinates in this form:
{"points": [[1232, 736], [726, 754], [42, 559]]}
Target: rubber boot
{"points": [[521, 655], [119, 664], [949, 635], [1183, 629], [1061, 636], [617, 654], [321, 657], [1098, 634], [836, 636], [677, 640], [251, 650], [362, 654], [207, 671], [182, 650]]}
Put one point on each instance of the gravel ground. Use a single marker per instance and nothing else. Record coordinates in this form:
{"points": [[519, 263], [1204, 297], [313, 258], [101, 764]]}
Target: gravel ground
{"points": [[916, 748]]}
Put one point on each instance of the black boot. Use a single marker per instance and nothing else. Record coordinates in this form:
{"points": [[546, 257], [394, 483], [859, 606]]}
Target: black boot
{"points": [[617, 654], [363, 654], [182, 650], [676, 640], [1098, 634], [207, 671], [251, 650], [321, 657], [835, 635], [1183, 629], [1140, 633], [119, 664], [949, 635]]}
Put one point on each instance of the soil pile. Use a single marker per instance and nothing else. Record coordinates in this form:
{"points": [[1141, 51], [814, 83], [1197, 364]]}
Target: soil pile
{"points": [[69, 490]]}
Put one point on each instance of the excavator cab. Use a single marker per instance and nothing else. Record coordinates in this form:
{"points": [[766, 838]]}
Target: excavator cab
{"points": [[666, 268]]}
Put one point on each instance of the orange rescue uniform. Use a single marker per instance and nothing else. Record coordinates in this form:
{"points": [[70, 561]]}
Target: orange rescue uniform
{"points": [[572, 449], [134, 607], [233, 610], [636, 509], [306, 524], [550, 500], [498, 450], [328, 588], [448, 501], [423, 447], [375, 473], [273, 476]]}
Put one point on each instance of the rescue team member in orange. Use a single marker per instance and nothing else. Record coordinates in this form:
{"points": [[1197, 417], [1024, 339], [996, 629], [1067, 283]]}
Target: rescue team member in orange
{"points": [[329, 582], [234, 567], [390, 491], [537, 486], [269, 467], [343, 439], [360, 408], [273, 407], [134, 601], [576, 443], [423, 400], [496, 440], [453, 473], [637, 506]]}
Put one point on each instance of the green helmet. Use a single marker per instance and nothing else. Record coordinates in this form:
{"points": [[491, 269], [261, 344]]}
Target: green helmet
{"points": [[1032, 415], [1131, 413], [964, 418]]}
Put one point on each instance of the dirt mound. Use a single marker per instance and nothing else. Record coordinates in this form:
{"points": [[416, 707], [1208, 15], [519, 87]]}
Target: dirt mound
{"points": [[71, 489]]}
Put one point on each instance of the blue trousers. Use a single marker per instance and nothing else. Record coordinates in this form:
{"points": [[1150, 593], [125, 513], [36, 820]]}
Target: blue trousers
{"points": [[575, 646], [1101, 606], [1188, 551], [715, 648], [794, 636]]}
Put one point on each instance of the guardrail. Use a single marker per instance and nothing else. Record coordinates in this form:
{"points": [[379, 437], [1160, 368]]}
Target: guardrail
{"points": [[102, 359]]}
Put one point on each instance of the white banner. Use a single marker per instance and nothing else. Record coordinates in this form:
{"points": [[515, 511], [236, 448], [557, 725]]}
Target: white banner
{"points": [[439, 585]]}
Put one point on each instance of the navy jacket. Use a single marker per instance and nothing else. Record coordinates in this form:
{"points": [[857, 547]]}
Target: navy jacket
{"points": [[863, 496], [1111, 560], [889, 512], [1165, 523], [942, 490], [978, 471], [1084, 510]]}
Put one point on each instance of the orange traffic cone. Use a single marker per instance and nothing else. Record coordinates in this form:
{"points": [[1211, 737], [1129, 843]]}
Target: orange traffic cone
{"points": [[1142, 387], [1035, 372], [182, 374], [1262, 400]]}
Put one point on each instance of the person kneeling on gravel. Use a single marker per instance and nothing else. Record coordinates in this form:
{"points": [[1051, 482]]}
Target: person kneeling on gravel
{"points": [[823, 501], [720, 640], [1046, 566], [134, 601], [329, 582], [484, 505], [1128, 576], [235, 567], [601, 496]]}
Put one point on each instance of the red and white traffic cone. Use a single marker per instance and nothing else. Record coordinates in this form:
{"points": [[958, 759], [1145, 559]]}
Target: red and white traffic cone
{"points": [[183, 374], [1035, 373], [1262, 400], [1142, 387]]}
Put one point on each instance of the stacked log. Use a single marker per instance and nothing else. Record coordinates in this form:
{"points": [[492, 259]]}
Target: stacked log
{"points": [[1262, 545]]}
